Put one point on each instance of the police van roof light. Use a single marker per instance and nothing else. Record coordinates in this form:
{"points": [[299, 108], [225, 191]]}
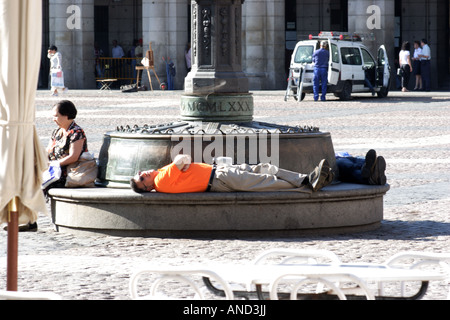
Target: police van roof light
{"points": [[336, 36], [326, 34]]}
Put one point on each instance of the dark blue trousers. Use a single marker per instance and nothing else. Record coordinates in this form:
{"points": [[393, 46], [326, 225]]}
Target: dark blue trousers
{"points": [[350, 169], [320, 75], [425, 69]]}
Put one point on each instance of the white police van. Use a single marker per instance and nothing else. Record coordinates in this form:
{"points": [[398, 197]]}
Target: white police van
{"points": [[350, 63]]}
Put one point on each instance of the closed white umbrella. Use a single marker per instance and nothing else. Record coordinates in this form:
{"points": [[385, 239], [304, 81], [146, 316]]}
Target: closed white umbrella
{"points": [[22, 159]]}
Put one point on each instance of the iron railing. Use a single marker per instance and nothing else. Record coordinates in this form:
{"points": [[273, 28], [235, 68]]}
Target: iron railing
{"points": [[117, 68]]}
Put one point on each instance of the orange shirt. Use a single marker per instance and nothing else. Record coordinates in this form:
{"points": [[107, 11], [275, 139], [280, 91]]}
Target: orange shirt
{"points": [[171, 180]]}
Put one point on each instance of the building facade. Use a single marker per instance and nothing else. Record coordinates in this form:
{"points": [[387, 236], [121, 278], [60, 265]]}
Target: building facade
{"points": [[270, 30]]}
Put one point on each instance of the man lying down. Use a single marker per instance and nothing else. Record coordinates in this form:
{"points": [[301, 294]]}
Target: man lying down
{"points": [[183, 176]]}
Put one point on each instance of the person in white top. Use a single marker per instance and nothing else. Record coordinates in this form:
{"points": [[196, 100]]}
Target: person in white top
{"points": [[405, 65], [416, 65], [425, 65], [56, 72], [115, 69]]}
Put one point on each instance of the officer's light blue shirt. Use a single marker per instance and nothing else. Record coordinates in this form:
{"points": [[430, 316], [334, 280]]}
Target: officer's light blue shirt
{"points": [[321, 58]]}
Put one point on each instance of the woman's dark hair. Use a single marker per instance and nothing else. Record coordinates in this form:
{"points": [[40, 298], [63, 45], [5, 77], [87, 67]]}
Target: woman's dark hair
{"points": [[53, 48], [405, 46], [417, 42], [67, 108]]}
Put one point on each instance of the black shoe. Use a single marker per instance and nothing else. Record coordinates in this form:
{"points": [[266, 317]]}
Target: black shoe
{"points": [[32, 227], [320, 176], [369, 164], [24, 227], [378, 176]]}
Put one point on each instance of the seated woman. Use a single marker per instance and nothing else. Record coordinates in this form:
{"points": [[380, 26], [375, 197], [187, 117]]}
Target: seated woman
{"points": [[66, 145], [67, 142]]}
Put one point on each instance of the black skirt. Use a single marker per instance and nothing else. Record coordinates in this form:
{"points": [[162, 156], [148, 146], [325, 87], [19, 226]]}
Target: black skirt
{"points": [[416, 67]]}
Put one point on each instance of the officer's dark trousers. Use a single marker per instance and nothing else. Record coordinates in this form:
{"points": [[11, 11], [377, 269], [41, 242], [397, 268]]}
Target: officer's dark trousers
{"points": [[425, 69]]}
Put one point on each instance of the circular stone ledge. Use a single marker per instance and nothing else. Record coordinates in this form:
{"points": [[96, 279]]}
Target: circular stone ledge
{"points": [[121, 212]]}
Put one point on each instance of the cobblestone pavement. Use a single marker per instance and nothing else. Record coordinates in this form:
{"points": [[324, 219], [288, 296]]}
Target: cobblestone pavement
{"points": [[411, 130]]}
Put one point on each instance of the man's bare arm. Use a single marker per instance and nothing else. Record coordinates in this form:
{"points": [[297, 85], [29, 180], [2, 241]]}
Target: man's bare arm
{"points": [[182, 161]]}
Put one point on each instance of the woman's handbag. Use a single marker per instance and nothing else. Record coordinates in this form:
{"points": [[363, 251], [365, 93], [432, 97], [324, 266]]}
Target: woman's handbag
{"points": [[83, 172]]}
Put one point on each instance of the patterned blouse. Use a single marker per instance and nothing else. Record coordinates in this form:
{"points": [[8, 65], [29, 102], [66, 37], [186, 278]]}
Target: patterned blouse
{"points": [[61, 143]]}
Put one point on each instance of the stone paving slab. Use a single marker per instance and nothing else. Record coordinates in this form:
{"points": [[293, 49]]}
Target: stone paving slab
{"points": [[411, 130]]}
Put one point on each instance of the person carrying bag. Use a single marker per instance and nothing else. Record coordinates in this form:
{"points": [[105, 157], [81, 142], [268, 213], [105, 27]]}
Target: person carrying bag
{"points": [[56, 73]]}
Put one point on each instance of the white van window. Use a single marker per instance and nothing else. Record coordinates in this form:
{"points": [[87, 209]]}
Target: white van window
{"points": [[334, 53], [351, 56], [368, 60], [304, 54]]}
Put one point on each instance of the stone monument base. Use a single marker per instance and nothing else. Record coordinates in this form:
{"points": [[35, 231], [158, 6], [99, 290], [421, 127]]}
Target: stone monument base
{"points": [[338, 208]]}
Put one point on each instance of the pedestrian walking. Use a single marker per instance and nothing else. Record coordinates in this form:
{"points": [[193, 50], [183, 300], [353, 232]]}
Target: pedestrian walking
{"points": [[56, 71], [405, 65]]}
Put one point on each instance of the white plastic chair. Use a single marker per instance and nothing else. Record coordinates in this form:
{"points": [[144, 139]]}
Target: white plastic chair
{"points": [[17, 295], [179, 274], [298, 256], [292, 255], [442, 259], [419, 259], [330, 280]]}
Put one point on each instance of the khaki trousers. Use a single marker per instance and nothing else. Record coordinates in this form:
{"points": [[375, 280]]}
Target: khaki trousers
{"points": [[261, 177]]}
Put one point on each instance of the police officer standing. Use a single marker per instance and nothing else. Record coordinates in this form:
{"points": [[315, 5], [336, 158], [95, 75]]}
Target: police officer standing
{"points": [[321, 58]]}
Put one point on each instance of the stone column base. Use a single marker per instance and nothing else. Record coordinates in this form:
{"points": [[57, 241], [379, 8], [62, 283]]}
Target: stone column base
{"points": [[217, 108]]}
